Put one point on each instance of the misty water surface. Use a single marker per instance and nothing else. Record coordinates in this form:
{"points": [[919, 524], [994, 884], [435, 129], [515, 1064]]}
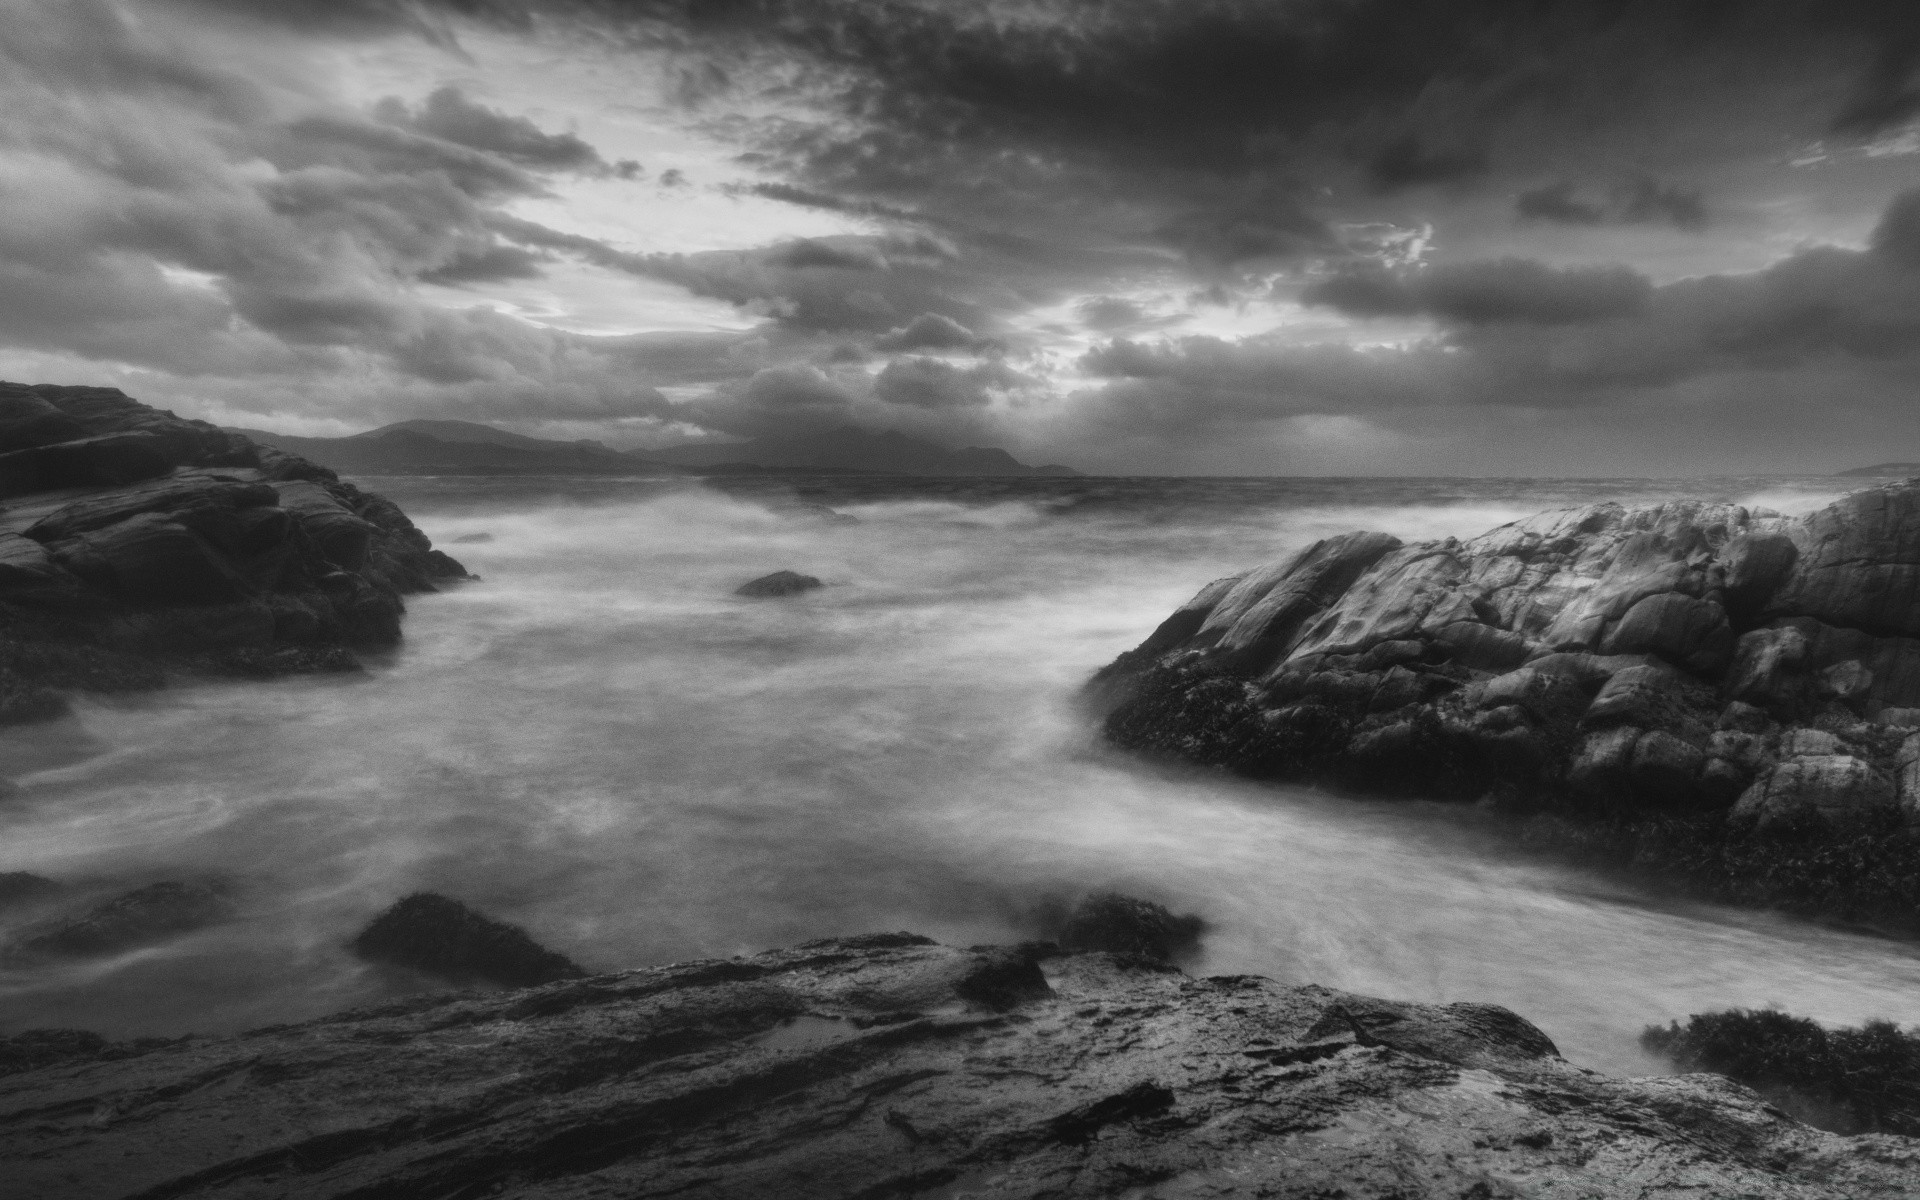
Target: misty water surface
{"points": [[599, 742]]}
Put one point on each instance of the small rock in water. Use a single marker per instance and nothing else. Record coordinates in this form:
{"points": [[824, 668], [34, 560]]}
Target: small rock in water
{"points": [[443, 937], [141, 917], [21, 887], [780, 583], [472, 539], [1121, 924]]}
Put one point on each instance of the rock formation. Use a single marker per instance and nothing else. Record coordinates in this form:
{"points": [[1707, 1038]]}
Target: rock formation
{"points": [[890, 1066], [441, 936], [780, 583], [1724, 667], [133, 542]]}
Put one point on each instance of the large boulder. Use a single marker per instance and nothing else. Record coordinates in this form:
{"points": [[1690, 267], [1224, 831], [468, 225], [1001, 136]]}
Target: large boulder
{"points": [[1858, 565], [443, 937], [780, 583], [1821, 790]]}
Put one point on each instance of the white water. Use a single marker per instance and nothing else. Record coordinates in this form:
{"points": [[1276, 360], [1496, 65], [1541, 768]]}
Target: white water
{"points": [[599, 742]]}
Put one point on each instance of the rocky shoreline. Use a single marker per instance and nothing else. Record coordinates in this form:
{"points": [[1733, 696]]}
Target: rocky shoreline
{"points": [[135, 544], [888, 1065], [1716, 695]]}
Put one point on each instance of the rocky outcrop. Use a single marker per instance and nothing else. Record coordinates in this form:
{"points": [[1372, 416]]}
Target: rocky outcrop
{"points": [[780, 583], [891, 1066], [1705, 663], [133, 542], [440, 936]]}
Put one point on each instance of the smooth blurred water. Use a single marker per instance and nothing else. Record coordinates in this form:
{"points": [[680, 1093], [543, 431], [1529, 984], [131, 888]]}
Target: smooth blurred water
{"points": [[598, 741]]}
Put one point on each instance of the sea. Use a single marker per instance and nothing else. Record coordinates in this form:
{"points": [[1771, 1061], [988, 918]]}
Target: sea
{"points": [[598, 741]]}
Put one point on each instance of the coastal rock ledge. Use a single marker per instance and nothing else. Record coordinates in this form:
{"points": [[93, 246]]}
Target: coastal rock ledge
{"points": [[1710, 664], [888, 1065], [134, 543]]}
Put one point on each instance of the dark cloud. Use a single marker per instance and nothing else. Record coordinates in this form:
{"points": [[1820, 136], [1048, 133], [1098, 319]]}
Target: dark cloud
{"points": [[1517, 334], [931, 383], [1405, 162], [1502, 291], [1641, 202], [449, 115]]}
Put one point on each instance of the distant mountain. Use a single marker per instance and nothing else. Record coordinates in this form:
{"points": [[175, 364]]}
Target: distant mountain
{"points": [[847, 448], [460, 448], [1900, 469]]}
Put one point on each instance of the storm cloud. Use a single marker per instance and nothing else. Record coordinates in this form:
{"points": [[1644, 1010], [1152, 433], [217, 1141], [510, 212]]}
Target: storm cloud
{"points": [[1137, 236]]}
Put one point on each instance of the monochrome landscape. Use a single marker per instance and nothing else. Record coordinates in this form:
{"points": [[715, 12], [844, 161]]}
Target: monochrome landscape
{"points": [[804, 598]]}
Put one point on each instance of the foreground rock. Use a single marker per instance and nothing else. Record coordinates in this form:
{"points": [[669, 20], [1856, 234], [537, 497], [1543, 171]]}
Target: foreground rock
{"points": [[1728, 669], [443, 937], [890, 1066], [134, 543], [780, 583]]}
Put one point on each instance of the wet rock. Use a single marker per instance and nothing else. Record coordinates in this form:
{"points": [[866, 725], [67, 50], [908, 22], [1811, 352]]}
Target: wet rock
{"points": [[780, 583], [443, 937], [155, 913], [151, 559], [1584, 663], [1686, 631], [1119, 1078], [1646, 696], [343, 538], [1907, 777], [106, 459], [207, 554], [1822, 790], [1848, 1080], [1121, 924], [1858, 565]]}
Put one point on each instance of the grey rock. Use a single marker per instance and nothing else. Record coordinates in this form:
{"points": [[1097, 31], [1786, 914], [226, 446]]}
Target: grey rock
{"points": [[1831, 790], [887, 1065], [1688, 632], [780, 583]]}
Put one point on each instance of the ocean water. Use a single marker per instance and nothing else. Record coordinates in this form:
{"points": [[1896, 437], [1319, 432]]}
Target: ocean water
{"points": [[599, 742]]}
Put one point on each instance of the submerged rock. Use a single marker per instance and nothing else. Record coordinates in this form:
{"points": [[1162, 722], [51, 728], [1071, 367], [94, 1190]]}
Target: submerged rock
{"points": [[134, 543], [1626, 666], [780, 583], [445, 938], [154, 913], [866, 1067], [1121, 924]]}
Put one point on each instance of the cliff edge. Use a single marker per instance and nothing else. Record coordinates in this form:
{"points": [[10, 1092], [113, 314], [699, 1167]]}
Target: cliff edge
{"points": [[888, 1065], [134, 543]]}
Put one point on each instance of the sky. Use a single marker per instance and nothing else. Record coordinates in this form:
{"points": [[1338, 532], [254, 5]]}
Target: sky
{"points": [[1289, 237]]}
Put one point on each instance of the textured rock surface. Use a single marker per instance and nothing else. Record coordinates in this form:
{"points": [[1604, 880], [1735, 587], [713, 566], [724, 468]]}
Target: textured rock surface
{"points": [[133, 542], [889, 1066], [1693, 662]]}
